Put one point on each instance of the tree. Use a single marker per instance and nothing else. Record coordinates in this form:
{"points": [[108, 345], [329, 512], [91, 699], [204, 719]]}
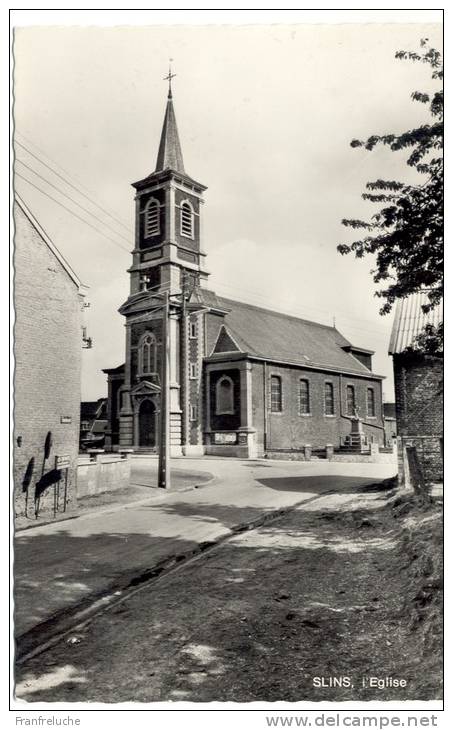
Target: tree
{"points": [[406, 235]]}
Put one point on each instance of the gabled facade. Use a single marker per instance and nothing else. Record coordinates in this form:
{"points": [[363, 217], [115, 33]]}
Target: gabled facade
{"points": [[244, 380]]}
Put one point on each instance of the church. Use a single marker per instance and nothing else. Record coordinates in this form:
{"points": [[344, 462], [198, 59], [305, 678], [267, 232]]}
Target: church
{"points": [[244, 381]]}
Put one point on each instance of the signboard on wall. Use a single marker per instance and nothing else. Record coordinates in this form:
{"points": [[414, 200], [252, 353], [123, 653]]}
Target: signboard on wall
{"points": [[225, 438], [62, 462]]}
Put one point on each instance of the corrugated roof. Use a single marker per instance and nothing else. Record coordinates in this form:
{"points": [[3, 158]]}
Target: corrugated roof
{"points": [[277, 336], [410, 321]]}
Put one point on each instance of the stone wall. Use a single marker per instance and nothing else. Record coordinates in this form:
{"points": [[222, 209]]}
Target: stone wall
{"points": [[102, 473]]}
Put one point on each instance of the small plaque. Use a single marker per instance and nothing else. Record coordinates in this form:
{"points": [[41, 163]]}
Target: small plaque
{"points": [[225, 438], [62, 462], [65, 419]]}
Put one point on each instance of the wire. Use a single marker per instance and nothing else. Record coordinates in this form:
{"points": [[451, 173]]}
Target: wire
{"points": [[257, 294], [71, 211], [68, 182], [301, 312], [86, 210]]}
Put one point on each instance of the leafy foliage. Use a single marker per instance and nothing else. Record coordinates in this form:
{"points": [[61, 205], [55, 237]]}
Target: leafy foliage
{"points": [[406, 235]]}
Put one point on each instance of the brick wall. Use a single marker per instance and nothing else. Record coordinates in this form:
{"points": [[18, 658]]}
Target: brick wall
{"points": [[195, 349], [289, 429], [47, 351], [419, 410]]}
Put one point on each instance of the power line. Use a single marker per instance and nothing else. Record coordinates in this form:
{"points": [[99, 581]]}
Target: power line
{"points": [[72, 212], [257, 294], [68, 182], [289, 310], [86, 210]]}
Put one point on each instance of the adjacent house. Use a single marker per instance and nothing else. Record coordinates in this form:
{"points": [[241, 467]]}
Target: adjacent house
{"points": [[93, 422], [47, 362], [418, 390]]}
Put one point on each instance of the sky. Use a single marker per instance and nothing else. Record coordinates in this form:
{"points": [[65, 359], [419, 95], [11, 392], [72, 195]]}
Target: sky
{"points": [[266, 114]]}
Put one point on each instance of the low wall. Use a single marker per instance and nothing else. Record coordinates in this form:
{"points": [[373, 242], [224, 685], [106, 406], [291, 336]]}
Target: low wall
{"points": [[240, 452], [375, 457], [286, 456], [386, 458], [102, 473]]}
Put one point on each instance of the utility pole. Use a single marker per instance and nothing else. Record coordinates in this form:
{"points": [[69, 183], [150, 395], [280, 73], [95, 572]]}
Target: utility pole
{"points": [[164, 480]]}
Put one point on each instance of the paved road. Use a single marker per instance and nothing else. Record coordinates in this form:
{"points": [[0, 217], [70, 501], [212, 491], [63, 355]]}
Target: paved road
{"points": [[318, 592], [61, 565], [144, 474]]}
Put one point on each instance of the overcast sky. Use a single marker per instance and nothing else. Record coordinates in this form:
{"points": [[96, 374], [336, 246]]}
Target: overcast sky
{"points": [[265, 116]]}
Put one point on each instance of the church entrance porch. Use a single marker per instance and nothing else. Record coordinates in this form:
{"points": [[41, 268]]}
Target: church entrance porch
{"points": [[147, 424]]}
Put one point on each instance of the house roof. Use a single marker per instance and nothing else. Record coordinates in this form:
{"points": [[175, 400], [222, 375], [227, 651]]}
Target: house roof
{"points": [[282, 337], [119, 370], [410, 321], [90, 409]]}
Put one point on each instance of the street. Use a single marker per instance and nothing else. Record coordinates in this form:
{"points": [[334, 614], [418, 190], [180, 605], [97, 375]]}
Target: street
{"points": [[275, 613], [100, 553]]}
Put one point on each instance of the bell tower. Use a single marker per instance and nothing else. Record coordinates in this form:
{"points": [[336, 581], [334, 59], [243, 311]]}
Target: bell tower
{"points": [[168, 218], [167, 257]]}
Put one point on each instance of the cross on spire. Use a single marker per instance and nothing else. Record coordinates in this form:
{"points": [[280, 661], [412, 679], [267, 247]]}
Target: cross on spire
{"points": [[169, 78]]}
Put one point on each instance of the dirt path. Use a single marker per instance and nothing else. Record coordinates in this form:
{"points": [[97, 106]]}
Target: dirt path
{"points": [[316, 594]]}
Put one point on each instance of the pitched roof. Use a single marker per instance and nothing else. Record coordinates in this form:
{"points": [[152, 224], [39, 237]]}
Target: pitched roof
{"points": [[410, 321], [282, 337], [170, 154]]}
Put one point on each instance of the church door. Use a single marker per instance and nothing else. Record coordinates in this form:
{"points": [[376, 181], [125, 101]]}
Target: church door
{"points": [[147, 424]]}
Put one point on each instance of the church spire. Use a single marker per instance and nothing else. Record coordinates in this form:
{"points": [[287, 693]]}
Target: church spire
{"points": [[170, 154]]}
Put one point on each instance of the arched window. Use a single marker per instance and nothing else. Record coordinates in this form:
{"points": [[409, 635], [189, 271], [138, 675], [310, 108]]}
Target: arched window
{"points": [[304, 397], [224, 396], [147, 354], [152, 218], [370, 403], [276, 394], [329, 402], [187, 218], [350, 400]]}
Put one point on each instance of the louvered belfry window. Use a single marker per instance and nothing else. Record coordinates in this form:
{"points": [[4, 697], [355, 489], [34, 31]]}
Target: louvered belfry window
{"points": [[152, 218], [186, 220]]}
